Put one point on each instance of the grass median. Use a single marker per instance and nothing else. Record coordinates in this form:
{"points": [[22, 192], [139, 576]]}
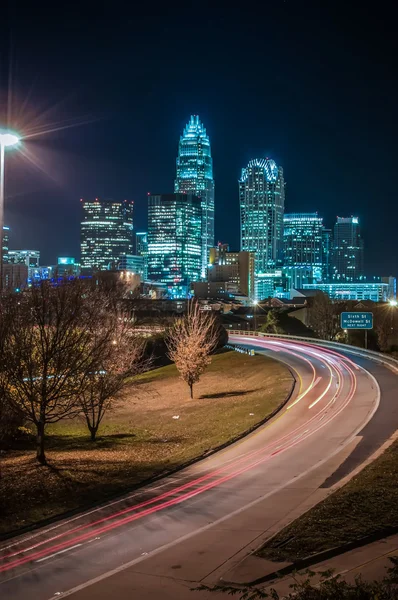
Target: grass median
{"points": [[155, 428], [364, 506]]}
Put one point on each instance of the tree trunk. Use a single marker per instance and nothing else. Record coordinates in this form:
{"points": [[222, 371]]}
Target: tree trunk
{"points": [[93, 433], [40, 455], [191, 388]]}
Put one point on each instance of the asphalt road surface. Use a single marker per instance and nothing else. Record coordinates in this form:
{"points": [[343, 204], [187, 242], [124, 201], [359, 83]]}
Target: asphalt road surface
{"points": [[193, 526]]}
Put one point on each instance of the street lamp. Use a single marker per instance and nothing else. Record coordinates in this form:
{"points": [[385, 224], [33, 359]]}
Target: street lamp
{"points": [[255, 302], [393, 302], [7, 139]]}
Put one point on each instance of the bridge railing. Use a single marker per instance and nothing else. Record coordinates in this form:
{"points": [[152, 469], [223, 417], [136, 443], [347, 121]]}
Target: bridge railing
{"points": [[371, 354]]}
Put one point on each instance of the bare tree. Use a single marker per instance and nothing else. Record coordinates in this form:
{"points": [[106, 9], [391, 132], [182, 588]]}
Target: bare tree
{"points": [[123, 358], [325, 316], [385, 317], [191, 341], [49, 350]]}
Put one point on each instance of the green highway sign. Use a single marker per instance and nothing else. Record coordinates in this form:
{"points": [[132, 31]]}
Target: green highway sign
{"points": [[356, 320]]}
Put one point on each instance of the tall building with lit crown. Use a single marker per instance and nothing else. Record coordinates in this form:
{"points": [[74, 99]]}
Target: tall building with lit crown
{"points": [[175, 241], [195, 176], [347, 250], [262, 203], [106, 232], [303, 247]]}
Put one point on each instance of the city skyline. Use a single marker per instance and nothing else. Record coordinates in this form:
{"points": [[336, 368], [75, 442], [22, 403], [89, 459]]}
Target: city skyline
{"points": [[324, 116]]}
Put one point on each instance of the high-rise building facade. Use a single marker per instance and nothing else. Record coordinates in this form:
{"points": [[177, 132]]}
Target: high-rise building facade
{"points": [[106, 232], [262, 203], [326, 254], [141, 249], [175, 241], [133, 264], [195, 176], [347, 250], [303, 247], [5, 243]]}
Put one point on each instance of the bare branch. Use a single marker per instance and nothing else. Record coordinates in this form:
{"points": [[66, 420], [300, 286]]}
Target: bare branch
{"points": [[190, 343]]}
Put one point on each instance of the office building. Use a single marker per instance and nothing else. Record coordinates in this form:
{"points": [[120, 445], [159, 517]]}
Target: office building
{"points": [[67, 267], [262, 202], [141, 249], [347, 250], [326, 254], [5, 243], [229, 273], [303, 251], [15, 277], [272, 284], [392, 286], [195, 176], [175, 241], [376, 291], [133, 264], [30, 258], [40, 273], [106, 232]]}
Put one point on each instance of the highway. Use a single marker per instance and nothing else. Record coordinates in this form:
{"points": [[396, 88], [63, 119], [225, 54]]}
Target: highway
{"points": [[198, 523]]}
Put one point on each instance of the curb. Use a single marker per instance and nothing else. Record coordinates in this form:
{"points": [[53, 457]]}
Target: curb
{"points": [[304, 563], [21, 531], [337, 550]]}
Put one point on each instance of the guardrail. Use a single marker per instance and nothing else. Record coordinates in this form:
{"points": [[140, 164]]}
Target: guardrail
{"points": [[376, 356], [239, 349]]}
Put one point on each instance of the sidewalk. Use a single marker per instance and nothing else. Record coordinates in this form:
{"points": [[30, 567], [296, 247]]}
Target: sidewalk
{"points": [[370, 561]]}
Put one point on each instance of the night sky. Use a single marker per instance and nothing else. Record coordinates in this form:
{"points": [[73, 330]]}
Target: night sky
{"points": [[313, 87]]}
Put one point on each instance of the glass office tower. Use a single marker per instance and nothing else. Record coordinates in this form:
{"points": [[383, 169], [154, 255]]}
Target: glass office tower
{"points": [[175, 241], [303, 247], [262, 203], [347, 250], [106, 232], [195, 176], [141, 249]]}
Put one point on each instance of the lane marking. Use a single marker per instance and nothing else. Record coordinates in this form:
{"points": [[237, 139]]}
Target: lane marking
{"points": [[60, 552]]}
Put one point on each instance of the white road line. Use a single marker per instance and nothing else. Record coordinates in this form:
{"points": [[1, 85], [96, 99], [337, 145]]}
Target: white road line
{"points": [[56, 553]]}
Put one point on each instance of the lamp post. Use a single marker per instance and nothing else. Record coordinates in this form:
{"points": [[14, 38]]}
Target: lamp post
{"points": [[393, 306], [255, 302], [7, 139]]}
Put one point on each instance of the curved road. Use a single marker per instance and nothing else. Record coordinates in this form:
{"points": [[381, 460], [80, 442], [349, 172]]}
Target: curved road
{"points": [[199, 523]]}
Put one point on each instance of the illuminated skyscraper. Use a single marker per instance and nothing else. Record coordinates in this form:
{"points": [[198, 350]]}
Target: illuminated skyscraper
{"points": [[106, 232], [195, 176], [326, 254], [303, 248], [262, 203], [347, 250], [141, 249], [175, 241]]}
